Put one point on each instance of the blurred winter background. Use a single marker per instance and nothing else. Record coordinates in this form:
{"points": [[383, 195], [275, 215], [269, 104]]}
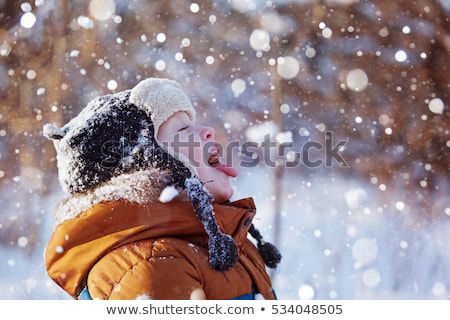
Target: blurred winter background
{"points": [[373, 74]]}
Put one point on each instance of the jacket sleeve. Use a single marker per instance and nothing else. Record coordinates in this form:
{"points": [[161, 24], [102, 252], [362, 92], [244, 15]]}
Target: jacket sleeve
{"points": [[157, 269]]}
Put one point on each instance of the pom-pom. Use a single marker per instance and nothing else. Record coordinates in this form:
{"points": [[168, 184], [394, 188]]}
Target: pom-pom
{"points": [[223, 254], [270, 254]]}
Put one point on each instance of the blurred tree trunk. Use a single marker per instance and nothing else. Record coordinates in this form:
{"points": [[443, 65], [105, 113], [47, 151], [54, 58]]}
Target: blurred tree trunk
{"points": [[277, 118]]}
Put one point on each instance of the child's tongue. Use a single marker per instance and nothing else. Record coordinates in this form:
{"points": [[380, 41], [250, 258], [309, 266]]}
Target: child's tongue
{"points": [[227, 170]]}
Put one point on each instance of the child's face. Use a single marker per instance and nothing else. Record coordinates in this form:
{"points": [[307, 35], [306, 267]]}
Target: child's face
{"points": [[198, 145]]}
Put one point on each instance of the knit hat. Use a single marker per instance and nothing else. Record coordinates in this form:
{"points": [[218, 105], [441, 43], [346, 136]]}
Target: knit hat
{"points": [[116, 134]]}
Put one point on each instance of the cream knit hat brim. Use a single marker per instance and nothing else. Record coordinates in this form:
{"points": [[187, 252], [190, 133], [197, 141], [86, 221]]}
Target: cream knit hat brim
{"points": [[161, 98]]}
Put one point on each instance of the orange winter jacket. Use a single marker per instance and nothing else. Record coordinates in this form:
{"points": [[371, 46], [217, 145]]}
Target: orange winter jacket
{"points": [[125, 250]]}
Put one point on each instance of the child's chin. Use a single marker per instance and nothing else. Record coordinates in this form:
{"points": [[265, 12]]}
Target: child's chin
{"points": [[222, 195]]}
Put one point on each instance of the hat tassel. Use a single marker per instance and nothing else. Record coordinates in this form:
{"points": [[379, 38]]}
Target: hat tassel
{"points": [[223, 253], [268, 251]]}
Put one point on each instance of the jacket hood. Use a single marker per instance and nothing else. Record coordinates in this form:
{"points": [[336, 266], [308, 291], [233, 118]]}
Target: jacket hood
{"points": [[138, 187]]}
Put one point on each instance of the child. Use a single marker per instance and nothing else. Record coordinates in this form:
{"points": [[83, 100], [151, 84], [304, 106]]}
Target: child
{"points": [[148, 212]]}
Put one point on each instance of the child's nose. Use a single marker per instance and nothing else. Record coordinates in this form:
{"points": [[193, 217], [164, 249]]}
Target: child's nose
{"points": [[207, 133]]}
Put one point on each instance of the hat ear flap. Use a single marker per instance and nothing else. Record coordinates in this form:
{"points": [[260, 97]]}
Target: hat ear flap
{"points": [[52, 132], [223, 253]]}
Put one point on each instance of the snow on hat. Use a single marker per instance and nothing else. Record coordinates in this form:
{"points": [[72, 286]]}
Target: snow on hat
{"points": [[115, 134]]}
